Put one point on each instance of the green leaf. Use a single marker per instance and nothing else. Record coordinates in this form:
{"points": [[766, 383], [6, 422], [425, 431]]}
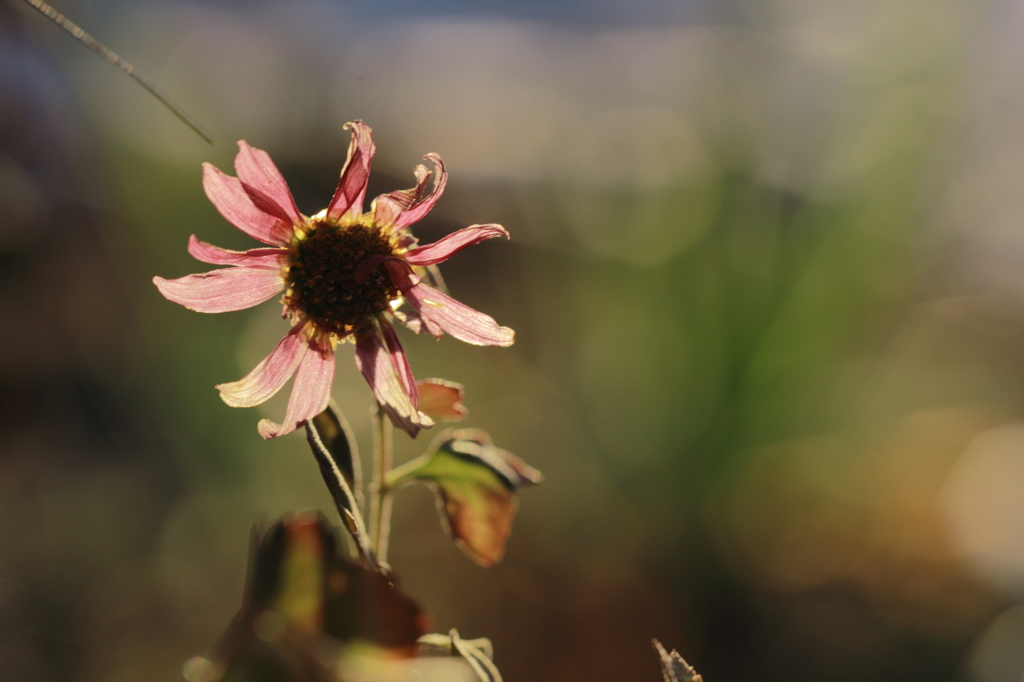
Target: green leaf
{"points": [[475, 482], [673, 667]]}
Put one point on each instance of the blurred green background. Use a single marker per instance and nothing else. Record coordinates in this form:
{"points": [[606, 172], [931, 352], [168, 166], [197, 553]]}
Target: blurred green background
{"points": [[765, 273]]}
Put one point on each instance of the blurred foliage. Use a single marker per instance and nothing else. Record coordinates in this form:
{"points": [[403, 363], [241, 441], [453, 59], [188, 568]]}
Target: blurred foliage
{"points": [[764, 274], [304, 601]]}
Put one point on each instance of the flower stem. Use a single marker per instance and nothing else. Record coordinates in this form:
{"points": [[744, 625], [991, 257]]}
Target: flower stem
{"points": [[380, 495]]}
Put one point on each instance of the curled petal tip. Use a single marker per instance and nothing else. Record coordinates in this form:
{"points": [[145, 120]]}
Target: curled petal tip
{"points": [[509, 335], [411, 425], [502, 337], [437, 312], [270, 375], [165, 287], [228, 397], [269, 429]]}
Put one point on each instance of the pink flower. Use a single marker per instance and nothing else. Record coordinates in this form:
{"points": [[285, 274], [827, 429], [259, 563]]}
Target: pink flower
{"points": [[344, 274]]}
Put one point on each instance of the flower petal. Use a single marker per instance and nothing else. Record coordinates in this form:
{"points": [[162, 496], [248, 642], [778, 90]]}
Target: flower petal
{"points": [[230, 198], [400, 271], [270, 375], [268, 259], [375, 363], [401, 362], [457, 319], [403, 278], [448, 246], [311, 391], [439, 313], [221, 291], [388, 207], [408, 206], [351, 192], [264, 183], [442, 399], [415, 322], [422, 208]]}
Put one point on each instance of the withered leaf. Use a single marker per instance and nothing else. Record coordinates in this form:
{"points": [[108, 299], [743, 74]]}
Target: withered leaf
{"points": [[442, 399], [475, 482], [673, 667]]}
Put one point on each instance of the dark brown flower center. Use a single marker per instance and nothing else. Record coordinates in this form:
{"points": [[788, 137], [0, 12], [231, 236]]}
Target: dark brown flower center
{"points": [[323, 282]]}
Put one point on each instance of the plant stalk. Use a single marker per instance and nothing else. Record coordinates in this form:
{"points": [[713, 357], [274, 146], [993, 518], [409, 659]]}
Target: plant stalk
{"points": [[380, 495]]}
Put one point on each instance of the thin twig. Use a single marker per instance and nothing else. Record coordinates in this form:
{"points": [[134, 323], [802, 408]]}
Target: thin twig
{"points": [[100, 49]]}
